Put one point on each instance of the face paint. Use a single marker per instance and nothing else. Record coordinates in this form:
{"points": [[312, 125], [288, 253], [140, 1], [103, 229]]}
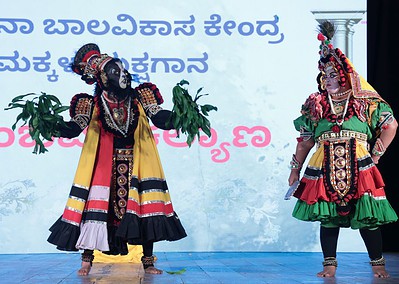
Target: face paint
{"points": [[331, 80], [118, 77]]}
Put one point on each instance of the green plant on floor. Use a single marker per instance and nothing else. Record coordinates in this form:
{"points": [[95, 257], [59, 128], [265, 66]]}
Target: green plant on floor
{"points": [[181, 271]]}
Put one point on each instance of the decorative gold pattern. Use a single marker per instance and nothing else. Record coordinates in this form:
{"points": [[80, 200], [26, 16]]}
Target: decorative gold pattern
{"points": [[84, 106], [152, 110], [116, 120], [122, 192], [340, 162], [343, 134], [341, 176], [122, 203], [123, 169], [338, 109], [94, 65], [119, 115], [83, 110], [123, 154], [342, 113], [339, 151], [147, 97]]}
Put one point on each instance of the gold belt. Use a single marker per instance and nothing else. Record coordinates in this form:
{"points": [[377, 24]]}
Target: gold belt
{"points": [[123, 154], [343, 134]]}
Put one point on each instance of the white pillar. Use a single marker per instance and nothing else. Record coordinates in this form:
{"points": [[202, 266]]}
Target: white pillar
{"points": [[344, 22]]}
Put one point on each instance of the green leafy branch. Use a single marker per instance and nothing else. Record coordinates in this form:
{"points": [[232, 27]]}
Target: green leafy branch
{"points": [[42, 113], [188, 116]]}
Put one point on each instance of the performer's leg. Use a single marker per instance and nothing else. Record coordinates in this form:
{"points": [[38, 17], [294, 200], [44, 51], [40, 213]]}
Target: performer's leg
{"points": [[373, 240], [87, 262], [148, 259], [329, 241]]}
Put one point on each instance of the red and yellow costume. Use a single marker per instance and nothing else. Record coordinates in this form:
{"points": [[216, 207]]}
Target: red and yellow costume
{"points": [[119, 194]]}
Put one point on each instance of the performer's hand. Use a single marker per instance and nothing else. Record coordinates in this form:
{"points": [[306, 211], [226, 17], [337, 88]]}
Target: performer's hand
{"points": [[294, 176], [375, 159]]}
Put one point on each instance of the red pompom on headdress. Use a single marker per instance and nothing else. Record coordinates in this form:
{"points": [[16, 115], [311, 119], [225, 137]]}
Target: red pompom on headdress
{"points": [[321, 37]]}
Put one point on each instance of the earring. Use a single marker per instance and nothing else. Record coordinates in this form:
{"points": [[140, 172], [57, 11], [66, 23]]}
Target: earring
{"points": [[104, 79]]}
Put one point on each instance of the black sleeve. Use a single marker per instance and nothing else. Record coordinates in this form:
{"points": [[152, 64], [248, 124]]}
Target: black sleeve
{"points": [[151, 99], [71, 130], [161, 118], [80, 111]]}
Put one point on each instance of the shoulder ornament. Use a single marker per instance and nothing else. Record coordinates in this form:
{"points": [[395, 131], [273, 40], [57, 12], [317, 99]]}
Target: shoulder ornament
{"points": [[81, 109], [150, 98], [312, 108]]}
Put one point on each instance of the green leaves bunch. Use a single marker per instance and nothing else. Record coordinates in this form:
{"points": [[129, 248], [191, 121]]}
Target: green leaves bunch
{"points": [[42, 113], [188, 116]]}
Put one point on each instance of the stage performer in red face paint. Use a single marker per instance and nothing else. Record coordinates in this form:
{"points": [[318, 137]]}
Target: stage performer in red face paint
{"points": [[352, 127], [119, 194]]}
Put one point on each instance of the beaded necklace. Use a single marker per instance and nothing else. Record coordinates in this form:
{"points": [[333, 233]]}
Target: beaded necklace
{"points": [[337, 121], [110, 118], [338, 95]]}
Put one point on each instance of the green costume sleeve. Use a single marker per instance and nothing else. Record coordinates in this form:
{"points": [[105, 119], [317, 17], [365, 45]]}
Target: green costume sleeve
{"points": [[303, 123], [382, 115]]}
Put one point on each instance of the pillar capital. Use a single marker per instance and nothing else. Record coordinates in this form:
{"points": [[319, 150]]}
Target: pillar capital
{"points": [[344, 22]]}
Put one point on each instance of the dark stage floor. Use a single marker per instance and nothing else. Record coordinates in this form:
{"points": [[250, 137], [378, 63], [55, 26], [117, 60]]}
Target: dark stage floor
{"points": [[200, 267]]}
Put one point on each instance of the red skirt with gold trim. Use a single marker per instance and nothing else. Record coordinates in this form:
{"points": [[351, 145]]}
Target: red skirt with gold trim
{"points": [[341, 186]]}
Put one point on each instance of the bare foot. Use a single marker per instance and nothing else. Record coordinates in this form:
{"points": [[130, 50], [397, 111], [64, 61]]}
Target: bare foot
{"points": [[328, 271], [85, 269], [153, 270], [380, 272]]}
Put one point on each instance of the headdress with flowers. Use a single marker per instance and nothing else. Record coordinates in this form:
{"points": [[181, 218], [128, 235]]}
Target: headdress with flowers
{"points": [[317, 105], [330, 56]]}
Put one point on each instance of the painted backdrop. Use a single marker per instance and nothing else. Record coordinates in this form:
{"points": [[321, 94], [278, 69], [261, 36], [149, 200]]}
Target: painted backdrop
{"points": [[256, 59]]}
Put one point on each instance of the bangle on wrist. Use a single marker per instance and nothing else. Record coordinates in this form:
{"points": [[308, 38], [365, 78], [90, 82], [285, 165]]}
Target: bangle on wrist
{"points": [[378, 149], [295, 164]]}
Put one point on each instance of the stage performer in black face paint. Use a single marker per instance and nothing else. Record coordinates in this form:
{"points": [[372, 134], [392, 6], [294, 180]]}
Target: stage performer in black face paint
{"points": [[119, 194], [351, 126]]}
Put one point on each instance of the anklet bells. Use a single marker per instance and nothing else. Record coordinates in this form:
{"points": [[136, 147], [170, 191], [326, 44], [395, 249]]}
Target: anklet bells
{"points": [[87, 258], [330, 261], [378, 262], [147, 261]]}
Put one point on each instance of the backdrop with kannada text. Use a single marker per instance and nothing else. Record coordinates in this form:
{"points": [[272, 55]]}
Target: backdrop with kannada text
{"points": [[256, 60]]}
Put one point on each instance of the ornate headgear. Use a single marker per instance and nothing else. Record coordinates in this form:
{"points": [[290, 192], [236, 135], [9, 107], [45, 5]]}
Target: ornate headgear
{"points": [[334, 57], [330, 56], [89, 63]]}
